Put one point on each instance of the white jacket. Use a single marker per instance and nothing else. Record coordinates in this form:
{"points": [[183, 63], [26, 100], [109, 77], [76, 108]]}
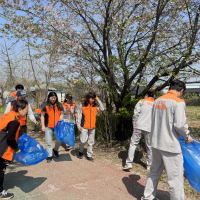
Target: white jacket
{"points": [[142, 114], [168, 123]]}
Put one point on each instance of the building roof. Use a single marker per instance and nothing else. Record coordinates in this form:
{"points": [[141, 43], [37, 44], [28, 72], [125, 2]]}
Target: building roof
{"points": [[33, 89]]}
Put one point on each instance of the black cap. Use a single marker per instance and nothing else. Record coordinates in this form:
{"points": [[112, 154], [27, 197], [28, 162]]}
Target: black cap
{"points": [[68, 96]]}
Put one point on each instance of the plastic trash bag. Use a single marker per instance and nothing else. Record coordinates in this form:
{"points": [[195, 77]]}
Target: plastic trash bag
{"points": [[31, 153], [65, 132], [191, 156]]}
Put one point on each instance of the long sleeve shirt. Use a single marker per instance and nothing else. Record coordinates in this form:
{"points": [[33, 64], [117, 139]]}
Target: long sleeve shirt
{"points": [[168, 123], [142, 114]]}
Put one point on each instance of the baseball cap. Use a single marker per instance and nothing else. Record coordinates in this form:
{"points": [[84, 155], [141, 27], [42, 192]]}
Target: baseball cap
{"points": [[21, 93], [68, 96]]}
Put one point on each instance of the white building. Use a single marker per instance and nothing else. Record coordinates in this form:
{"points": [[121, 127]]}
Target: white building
{"points": [[190, 88]]}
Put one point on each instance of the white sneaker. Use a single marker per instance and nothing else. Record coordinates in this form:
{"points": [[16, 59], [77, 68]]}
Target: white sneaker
{"points": [[127, 167], [5, 195], [148, 168]]}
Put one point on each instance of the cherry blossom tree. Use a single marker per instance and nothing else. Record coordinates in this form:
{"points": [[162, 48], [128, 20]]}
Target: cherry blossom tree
{"points": [[127, 42]]}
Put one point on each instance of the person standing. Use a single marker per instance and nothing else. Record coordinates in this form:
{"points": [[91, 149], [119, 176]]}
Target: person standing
{"points": [[70, 110], [141, 126], [13, 96], [52, 112], [9, 133], [21, 95], [87, 122], [37, 115], [168, 123], [70, 113]]}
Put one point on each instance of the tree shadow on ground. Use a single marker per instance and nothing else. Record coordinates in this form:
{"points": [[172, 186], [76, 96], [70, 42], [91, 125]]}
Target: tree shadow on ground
{"points": [[139, 153], [63, 157], [25, 183], [136, 189]]}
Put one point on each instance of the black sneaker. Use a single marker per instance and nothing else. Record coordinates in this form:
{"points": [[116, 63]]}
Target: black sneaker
{"points": [[80, 155], [49, 159], [5, 195], [90, 159], [56, 155]]}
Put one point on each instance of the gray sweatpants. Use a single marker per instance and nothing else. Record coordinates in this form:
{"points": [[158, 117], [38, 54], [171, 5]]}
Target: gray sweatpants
{"points": [[87, 134], [173, 164], [48, 140], [135, 139]]}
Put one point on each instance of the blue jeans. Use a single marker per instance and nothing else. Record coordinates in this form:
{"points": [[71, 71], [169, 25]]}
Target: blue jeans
{"points": [[48, 140]]}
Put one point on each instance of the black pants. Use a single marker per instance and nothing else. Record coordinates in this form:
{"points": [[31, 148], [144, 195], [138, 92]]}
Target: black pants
{"points": [[2, 172], [23, 129]]}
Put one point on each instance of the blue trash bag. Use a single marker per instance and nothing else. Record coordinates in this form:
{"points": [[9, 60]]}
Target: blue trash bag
{"points": [[31, 153], [65, 132], [191, 156]]}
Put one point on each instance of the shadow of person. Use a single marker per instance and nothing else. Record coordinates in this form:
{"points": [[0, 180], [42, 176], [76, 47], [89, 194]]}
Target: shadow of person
{"points": [[136, 189], [25, 183], [63, 157], [75, 152]]}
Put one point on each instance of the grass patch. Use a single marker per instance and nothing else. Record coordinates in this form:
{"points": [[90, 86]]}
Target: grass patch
{"points": [[2, 109], [193, 116]]}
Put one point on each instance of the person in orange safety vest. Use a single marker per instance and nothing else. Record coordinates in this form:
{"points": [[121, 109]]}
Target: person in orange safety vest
{"points": [[70, 114], [21, 95], [13, 96], [9, 133], [86, 123], [52, 112]]}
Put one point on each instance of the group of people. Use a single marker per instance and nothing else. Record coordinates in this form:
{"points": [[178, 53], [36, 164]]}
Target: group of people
{"points": [[161, 121], [13, 124]]}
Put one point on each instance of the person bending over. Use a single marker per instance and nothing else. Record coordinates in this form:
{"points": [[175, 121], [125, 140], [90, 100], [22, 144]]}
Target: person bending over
{"points": [[9, 133]]}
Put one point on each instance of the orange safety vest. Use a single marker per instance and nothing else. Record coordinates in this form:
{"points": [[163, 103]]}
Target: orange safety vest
{"points": [[4, 120], [13, 94], [22, 120], [69, 109], [38, 111], [52, 116], [89, 114]]}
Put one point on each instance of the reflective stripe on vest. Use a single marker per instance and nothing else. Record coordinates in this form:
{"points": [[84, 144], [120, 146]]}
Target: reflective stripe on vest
{"points": [[69, 109], [4, 120]]}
